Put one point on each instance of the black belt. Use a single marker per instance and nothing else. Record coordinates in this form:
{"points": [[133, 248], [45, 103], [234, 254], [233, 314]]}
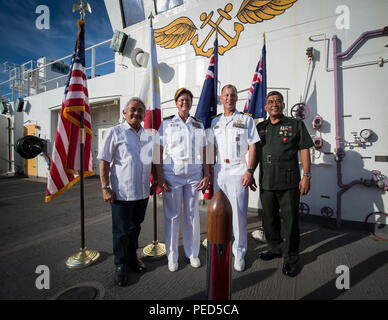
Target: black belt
{"points": [[269, 159]]}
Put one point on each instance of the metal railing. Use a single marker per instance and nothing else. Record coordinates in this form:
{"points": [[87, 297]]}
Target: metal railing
{"points": [[24, 78]]}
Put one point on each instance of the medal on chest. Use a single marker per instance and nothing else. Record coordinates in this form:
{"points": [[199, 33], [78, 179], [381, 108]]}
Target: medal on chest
{"points": [[239, 124], [285, 132]]}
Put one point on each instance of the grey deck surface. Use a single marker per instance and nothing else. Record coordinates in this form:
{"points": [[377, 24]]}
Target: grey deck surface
{"points": [[33, 233]]}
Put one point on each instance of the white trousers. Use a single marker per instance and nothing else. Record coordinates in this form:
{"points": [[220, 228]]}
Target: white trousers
{"points": [[230, 183], [172, 207]]}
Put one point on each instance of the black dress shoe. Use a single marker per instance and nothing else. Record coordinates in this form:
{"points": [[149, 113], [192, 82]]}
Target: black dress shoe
{"points": [[121, 277], [290, 270], [138, 266], [269, 255]]}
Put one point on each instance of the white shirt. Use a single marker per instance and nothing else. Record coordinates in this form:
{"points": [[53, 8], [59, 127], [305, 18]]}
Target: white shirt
{"points": [[130, 156], [232, 137], [182, 144]]}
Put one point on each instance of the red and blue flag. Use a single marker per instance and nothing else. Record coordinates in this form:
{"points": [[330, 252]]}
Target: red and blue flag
{"points": [[207, 105], [258, 90]]}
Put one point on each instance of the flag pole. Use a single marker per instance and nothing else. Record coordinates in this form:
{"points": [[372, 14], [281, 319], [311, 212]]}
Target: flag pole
{"points": [[84, 257], [155, 249], [204, 242]]}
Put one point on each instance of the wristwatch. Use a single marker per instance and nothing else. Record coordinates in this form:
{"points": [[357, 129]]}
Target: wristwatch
{"points": [[106, 187], [251, 171], [308, 175]]}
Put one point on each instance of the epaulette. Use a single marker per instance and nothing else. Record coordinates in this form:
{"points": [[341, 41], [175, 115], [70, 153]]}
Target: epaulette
{"points": [[216, 116], [196, 119], [247, 114], [168, 117]]}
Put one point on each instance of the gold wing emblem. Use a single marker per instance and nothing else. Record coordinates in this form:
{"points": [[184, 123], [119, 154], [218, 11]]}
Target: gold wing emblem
{"points": [[253, 11], [176, 33]]}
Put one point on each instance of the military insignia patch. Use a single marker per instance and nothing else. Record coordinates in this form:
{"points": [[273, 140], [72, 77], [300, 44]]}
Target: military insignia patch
{"points": [[285, 131], [196, 125], [239, 124]]}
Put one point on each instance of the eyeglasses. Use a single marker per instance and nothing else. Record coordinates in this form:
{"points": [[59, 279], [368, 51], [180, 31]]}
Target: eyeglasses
{"points": [[270, 102]]}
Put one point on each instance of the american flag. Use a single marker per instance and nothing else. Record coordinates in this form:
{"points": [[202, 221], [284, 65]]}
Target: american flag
{"points": [[207, 104], [258, 90], [65, 163]]}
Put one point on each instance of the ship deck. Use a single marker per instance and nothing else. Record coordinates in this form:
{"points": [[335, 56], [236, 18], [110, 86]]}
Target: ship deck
{"points": [[33, 233]]}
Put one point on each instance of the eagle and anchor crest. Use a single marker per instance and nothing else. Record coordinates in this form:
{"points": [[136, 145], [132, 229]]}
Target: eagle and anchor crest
{"points": [[182, 29]]}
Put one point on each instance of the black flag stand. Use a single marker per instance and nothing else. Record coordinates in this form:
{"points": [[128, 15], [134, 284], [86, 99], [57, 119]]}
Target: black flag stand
{"points": [[84, 257]]}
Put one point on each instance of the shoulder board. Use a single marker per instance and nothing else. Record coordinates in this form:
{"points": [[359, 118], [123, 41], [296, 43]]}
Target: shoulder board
{"points": [[196, 119], [216, 115], [168, 117], [247, 114]]}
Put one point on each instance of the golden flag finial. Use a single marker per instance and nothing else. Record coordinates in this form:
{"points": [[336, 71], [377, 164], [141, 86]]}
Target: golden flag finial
{"points": [[82, 6]]}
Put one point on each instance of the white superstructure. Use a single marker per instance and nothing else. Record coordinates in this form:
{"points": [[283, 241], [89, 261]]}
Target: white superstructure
{"points": [[361, 83]]}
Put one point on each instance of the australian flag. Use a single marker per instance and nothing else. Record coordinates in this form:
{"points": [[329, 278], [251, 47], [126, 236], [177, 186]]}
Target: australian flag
{"points": [[207, 105], [258, 90]]}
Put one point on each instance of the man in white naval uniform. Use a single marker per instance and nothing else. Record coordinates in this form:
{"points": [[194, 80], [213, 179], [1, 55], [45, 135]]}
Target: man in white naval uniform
{"points": [[235, 134], [183, 141]]}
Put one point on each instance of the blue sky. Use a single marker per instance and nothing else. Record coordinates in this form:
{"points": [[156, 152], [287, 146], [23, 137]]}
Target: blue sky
{"points": [[21, 40]]}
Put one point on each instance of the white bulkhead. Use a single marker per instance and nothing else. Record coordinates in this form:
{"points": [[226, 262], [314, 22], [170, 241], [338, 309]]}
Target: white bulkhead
{"points": [[361, 86]]}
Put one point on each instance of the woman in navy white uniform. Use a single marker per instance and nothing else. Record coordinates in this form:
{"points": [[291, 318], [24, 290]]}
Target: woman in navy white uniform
{"points": [[182, 173]]}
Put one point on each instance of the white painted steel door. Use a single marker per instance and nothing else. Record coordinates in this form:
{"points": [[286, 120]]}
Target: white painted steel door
{"points": [[99, 135]]}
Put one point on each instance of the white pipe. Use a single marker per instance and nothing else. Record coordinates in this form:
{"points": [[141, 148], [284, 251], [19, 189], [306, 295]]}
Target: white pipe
{"points": [[361, 64], [93, 73]]}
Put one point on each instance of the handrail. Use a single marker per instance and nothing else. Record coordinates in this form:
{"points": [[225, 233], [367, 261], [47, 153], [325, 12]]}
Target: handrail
{"points": [[23, 84], [68, 56]]}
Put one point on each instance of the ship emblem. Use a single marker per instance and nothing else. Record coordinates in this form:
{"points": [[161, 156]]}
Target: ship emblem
{"points": [[183, 29], [238, 27]]}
